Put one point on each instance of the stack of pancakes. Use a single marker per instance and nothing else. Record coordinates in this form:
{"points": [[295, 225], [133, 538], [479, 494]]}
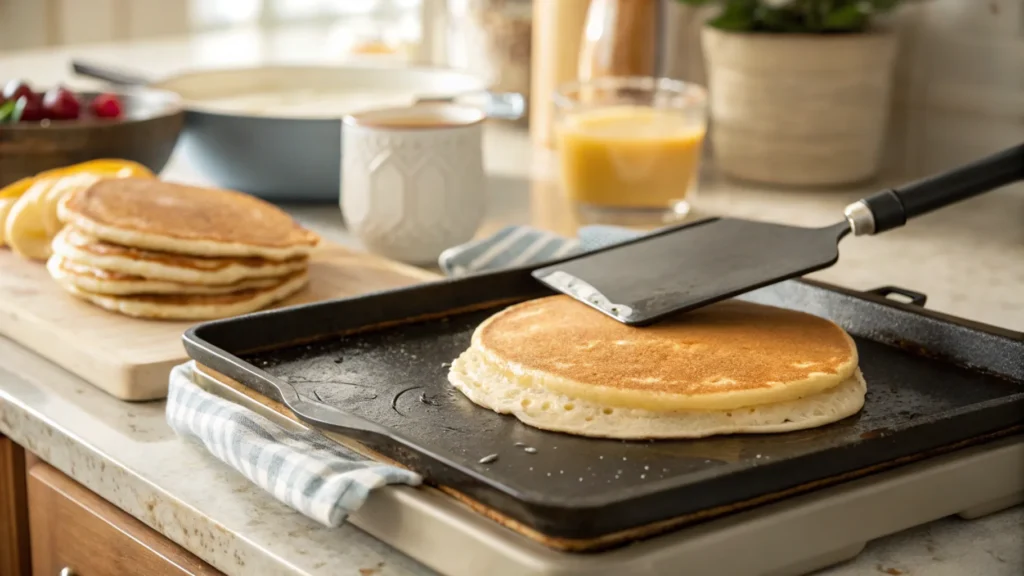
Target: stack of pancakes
{"points": [[732, 367], [152, 249]]}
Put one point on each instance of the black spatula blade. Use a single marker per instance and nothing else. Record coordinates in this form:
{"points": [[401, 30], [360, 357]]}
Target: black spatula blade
{"points": [[694, 265], [644, 280]]}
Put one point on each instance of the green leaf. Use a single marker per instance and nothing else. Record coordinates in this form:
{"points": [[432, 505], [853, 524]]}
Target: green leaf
{"points": [[19, 109], [879, 6], [797, 16], [6, 111], [780, 20], [847, 18], [732, 23], [736, 16]]}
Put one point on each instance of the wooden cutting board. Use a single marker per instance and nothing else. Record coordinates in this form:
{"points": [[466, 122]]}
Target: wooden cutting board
{"points": [[131, 358]]}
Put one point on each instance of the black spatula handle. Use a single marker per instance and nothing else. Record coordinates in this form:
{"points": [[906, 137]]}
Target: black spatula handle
{"points": [[891, 208]]}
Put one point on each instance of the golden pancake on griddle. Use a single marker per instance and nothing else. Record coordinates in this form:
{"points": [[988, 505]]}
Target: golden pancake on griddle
{"points": [[166, 217], [195, 306], [730, 367], [83, 249], [99, 281]]}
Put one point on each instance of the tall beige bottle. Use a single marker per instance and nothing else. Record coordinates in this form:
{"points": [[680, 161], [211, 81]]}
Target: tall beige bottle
{"points": [[557, 37], [619, 39]]}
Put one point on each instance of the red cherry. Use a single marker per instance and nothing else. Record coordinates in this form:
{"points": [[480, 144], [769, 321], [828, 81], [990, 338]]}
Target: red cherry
{"points": [[31, 109], [15, 89], [61, 104], [106, 106]]}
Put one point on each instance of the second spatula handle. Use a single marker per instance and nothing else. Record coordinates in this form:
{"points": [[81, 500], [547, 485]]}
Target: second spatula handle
{"points": [[892, 208]]}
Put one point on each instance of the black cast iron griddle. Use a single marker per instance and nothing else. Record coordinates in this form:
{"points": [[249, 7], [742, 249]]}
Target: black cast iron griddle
{"points": [[374, 369], [679, 269]]}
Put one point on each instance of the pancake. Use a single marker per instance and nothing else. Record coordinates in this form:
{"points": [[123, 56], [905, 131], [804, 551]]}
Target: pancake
{"points": [[730, 367], [74, 245], [728, 355], [99, 281], [195, 306], [540, 408], [156, 215]]}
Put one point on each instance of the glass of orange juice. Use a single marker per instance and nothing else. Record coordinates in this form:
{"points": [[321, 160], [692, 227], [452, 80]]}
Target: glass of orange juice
{"points": [[630, 144]]}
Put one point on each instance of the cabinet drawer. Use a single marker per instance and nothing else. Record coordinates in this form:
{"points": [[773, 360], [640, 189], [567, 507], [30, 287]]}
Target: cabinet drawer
{"points": [[71, 527], [14, 549]]}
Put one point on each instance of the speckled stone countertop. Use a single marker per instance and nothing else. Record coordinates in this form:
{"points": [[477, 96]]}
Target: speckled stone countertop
{"points": [[970, 262]]}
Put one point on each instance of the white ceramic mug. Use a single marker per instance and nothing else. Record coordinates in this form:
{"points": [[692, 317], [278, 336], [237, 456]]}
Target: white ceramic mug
{"points": [[413, 179]]}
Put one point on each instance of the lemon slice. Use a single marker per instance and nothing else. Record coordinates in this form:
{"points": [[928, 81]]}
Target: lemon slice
{"points": [[24, 230], [16, 189], [64, 186], [28, 208], [108, 168], [5, 208], [104, 167]]}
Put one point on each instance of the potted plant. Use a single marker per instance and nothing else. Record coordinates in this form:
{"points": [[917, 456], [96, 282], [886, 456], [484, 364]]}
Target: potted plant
{"points": [[800, 89]]}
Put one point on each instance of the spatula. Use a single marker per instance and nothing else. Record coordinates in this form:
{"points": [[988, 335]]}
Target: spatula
{"points": [[693, 265]]}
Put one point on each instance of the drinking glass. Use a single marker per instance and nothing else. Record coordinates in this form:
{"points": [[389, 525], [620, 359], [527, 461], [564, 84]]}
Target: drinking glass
{"points": [[631, 144]]}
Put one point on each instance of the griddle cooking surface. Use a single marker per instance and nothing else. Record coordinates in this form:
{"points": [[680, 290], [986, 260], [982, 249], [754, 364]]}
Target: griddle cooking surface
{"points": [[395, 377], [398, 378]]}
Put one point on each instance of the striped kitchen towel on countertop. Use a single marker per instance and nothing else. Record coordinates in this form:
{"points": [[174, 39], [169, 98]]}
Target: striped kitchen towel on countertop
{"points": [[317, 477]]}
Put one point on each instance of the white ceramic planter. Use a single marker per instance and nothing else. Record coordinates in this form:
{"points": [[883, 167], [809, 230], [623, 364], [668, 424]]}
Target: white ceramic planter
{"points": [[799, 109]]}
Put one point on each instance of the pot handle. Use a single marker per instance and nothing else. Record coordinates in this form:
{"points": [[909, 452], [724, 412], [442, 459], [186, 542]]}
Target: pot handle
{"points": [[504, 105], [112, 75], [500, 105]]}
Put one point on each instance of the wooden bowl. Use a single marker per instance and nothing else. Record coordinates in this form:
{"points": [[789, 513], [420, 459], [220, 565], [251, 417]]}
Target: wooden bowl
{"points": [[146, 133]]}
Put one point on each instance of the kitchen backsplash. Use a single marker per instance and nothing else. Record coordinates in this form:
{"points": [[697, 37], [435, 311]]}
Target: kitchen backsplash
{"points": [[29, 24], [37, 23], [960, 77]]}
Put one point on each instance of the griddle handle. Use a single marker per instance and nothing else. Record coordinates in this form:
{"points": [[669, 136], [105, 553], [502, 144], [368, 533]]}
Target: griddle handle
{"points": [[915, 298], [317, 414], [892, 208], [325, 416]]}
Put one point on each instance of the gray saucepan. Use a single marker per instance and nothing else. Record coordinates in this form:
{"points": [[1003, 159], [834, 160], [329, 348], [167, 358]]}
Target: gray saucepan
{"points": [[274, 132]]}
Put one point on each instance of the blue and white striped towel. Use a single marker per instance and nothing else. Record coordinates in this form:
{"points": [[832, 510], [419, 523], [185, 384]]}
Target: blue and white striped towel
{"points": [[317, 477], [305, 470]]}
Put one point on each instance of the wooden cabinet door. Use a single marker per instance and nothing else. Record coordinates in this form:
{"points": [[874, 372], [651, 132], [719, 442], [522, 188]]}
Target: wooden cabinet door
{"points": [[14, 548], [74, 528]]}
